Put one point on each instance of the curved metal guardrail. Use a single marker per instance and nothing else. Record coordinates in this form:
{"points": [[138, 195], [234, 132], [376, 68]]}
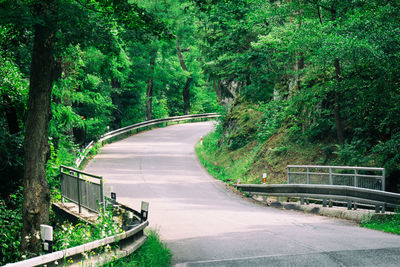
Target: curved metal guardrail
{"points": [[352, 195], [127, 241], [139, 125]]}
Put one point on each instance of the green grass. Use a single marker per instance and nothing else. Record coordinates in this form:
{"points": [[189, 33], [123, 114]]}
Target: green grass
{"points": [[389, 224], [224, 165], [153, 253]]}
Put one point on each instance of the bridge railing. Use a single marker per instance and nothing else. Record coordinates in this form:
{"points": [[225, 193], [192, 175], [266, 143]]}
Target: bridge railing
{"points": [[84, 189], [363, 177]]}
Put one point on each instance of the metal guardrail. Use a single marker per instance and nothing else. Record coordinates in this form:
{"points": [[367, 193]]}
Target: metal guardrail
{"points": [[352, 195], [139, 125], [127, 242], [363, 177], [84, 189]]}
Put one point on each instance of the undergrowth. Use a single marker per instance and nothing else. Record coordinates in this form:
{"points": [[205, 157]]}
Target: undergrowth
{"points": [[389, 224], [11, 227], [68, 235], [223, 165], [153, 253]]}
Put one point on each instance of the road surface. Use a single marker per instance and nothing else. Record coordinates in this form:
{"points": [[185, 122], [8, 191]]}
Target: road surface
{"points": [[205, 224]]}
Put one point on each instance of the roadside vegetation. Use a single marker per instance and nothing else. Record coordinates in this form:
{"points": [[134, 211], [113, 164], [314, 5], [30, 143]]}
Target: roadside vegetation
{"points": [[389, 224], [316, 83], [306, 89], [154, 253]]}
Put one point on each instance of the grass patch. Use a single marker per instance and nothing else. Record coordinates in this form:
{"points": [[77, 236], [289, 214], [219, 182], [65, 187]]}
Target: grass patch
{"points": [[224, 165], [389, 224], [153, 253]]}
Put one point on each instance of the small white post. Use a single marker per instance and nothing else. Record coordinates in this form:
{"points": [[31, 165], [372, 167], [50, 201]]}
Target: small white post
{"points": [[46, 234], [264, 178], [201, 140]]}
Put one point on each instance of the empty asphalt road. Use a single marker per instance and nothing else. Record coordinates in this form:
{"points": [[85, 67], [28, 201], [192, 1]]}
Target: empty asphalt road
{"points": [[205, 224]]}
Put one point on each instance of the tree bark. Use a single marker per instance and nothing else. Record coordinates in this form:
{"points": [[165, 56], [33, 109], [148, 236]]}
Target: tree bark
{"points": [[186, 88], [336, 100], [338, 119], [186, 96], [149, 91], [36, 191], [116, 100]]}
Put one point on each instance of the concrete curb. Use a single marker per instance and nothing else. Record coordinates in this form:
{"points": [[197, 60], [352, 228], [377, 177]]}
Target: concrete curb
{"points": [[357, 216]]}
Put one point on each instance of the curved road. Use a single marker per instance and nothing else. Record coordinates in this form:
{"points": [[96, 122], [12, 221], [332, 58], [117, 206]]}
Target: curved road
{"points": [[204, 224]]}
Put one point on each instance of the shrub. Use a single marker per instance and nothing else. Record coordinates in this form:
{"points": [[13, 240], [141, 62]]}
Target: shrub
{"points": [[11, 227]]}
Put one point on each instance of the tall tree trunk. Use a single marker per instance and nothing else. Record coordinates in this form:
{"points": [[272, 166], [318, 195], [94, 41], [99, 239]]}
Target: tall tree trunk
{"points": [[186, 88], [186, 96], [338, 76], [116, 100], [338, 119], [36, 191], [149, 91]]}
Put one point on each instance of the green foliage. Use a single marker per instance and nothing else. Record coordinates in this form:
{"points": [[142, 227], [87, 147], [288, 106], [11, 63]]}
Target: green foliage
{"points": [[13, 96], [225, 165], [206, 154], [389, 151], [153, 253], [65, 154], [68, 235], [352, 154], [273, 115], [11, 227], [319, 71], [389, 224], [11, 162]]}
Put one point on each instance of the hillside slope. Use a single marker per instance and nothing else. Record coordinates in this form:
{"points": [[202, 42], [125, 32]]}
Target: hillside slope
{"points": [[242, 147]]}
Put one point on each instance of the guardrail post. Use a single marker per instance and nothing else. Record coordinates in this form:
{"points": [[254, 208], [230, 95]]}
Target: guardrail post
{"points": [[330, 176], [288, 175], [302, 201], [102, 204], [79, 193], [355, 178], [349, 204], [377, 208], [308, 176], [383, 180], [61, 181], [324, 202]]}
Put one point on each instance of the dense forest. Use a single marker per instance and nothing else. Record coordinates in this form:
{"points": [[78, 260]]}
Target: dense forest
{"points": [[296, 81], [307, 82]]}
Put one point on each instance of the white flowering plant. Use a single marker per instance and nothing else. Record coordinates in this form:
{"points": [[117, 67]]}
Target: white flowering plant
{"points": [[68, 235]]}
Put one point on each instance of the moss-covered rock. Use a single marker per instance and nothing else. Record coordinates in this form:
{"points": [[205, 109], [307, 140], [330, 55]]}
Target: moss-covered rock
{"points": [[240, 125]]}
